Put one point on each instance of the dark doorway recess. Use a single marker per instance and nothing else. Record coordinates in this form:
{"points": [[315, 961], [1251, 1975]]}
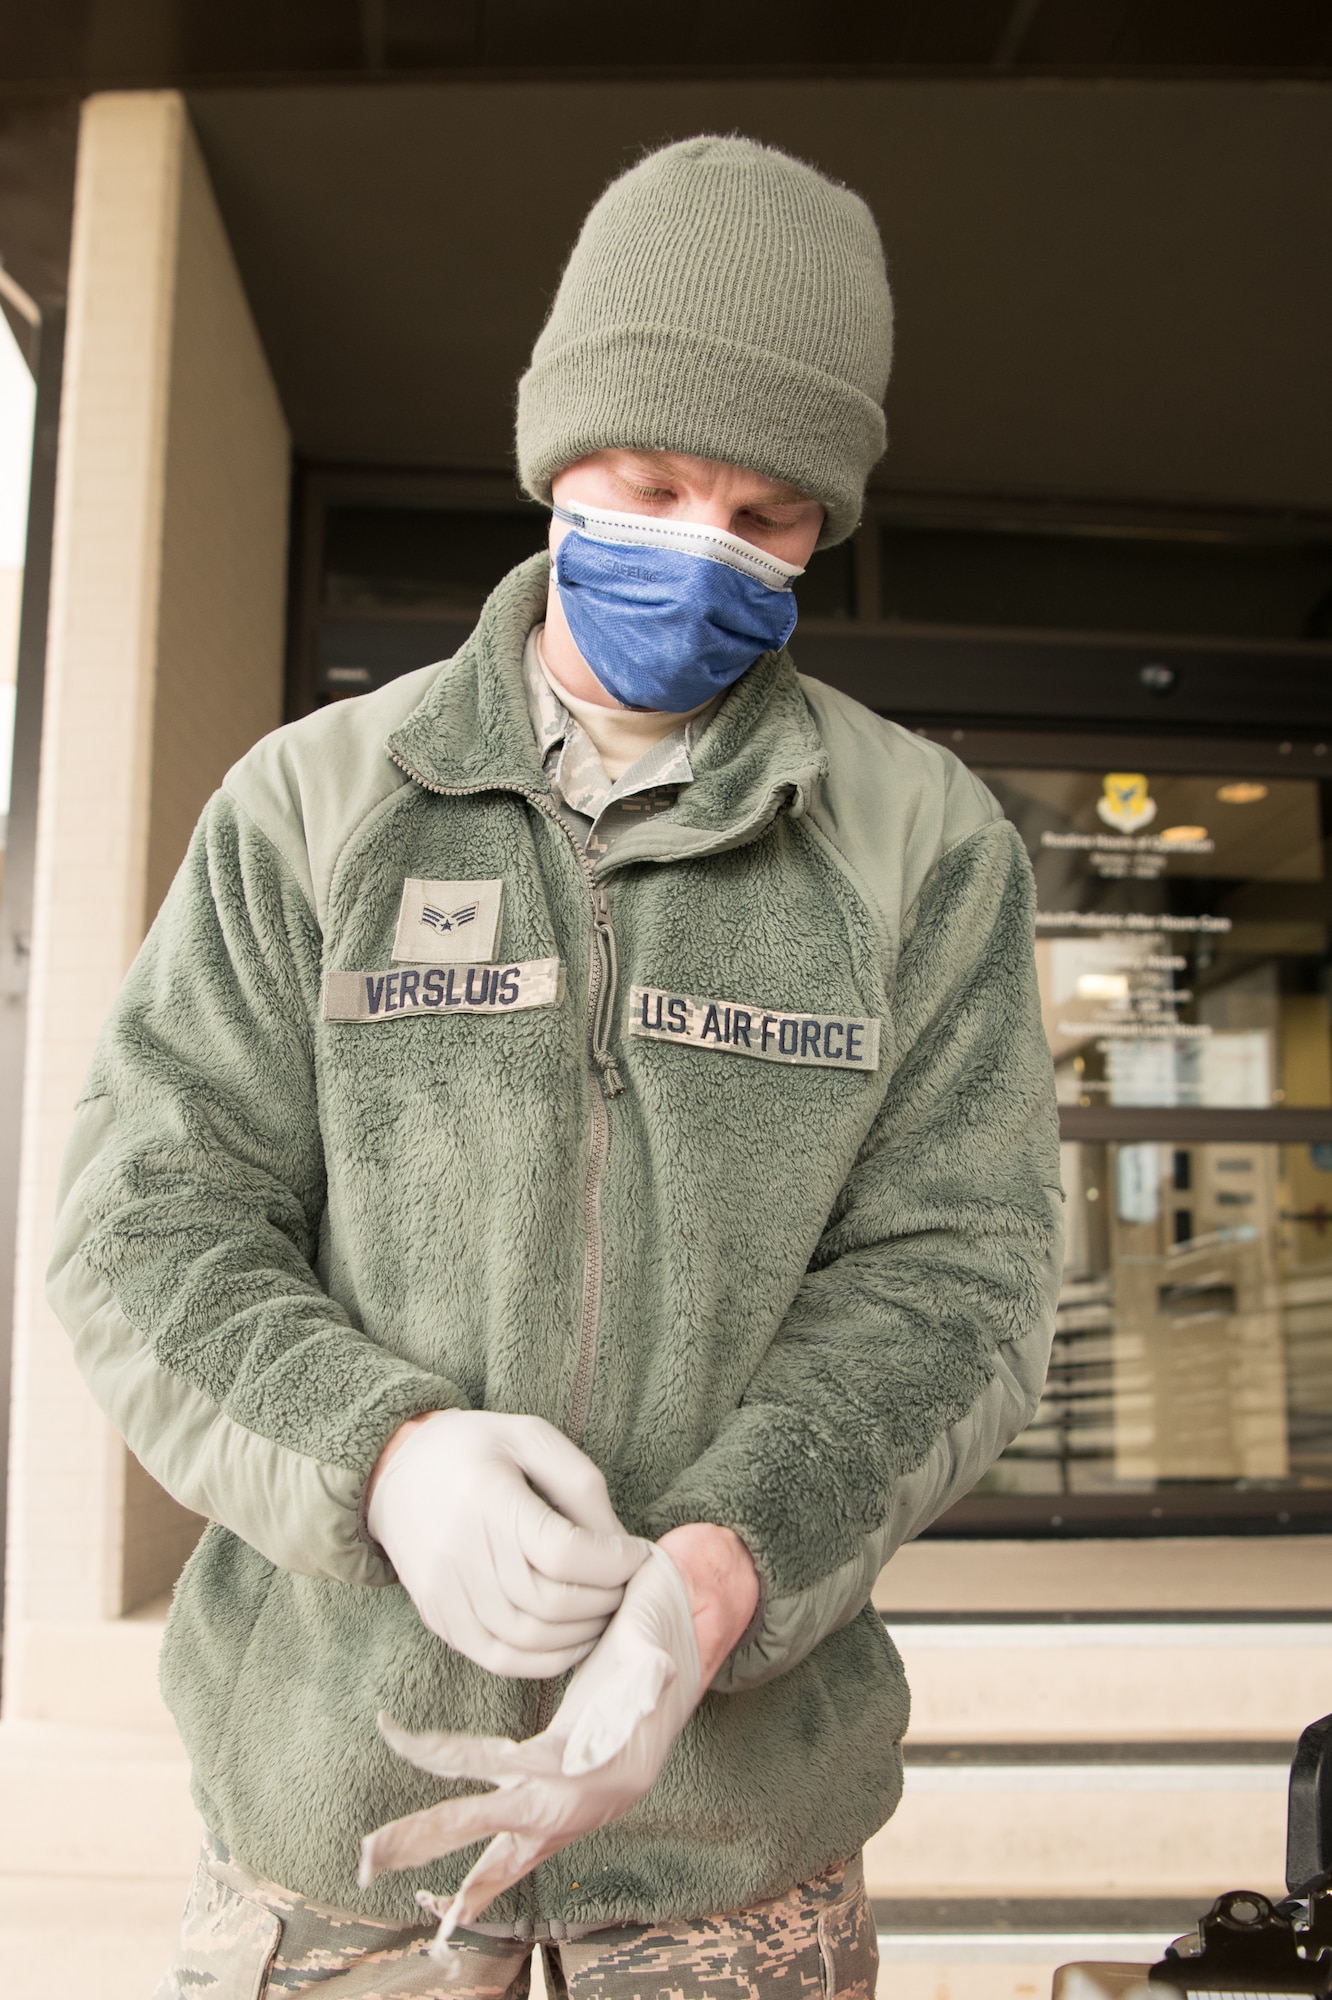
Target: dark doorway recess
{"points": [[948, 613], [1171, 686]]}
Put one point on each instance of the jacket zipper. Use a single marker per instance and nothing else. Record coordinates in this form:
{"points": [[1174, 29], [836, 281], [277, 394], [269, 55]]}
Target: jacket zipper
{"points": [[602, 979]]}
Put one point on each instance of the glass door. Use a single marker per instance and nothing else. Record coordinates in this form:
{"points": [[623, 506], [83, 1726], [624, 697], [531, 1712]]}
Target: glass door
{"points": [[1185, 976]]}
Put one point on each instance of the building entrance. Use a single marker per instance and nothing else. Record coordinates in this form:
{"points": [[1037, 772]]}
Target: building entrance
{"points": [[1183, 944], [1183, 956]]}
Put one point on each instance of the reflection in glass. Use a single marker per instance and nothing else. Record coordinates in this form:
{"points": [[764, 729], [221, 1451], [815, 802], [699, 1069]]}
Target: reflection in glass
{"points": [[1182, 935], [1194, 1337], [1183, 956]]}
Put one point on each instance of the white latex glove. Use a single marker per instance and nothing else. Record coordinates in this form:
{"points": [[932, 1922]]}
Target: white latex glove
{"points": [[604, 1748], [521, 1588]]}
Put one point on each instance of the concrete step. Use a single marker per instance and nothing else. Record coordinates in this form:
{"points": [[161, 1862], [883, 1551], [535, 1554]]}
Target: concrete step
{"points": [[98, 1841], [1138, 1680], [1053, 1830], [1009, 1967], [1160, 1574], [1018, 1786], [95, 1803], [116, 1803], [93, 1673], [972, 1680], [99, 1938]]}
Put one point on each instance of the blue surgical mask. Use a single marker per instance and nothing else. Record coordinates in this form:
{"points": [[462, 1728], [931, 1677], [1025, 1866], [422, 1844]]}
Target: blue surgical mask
{"points": [[669, 613]]}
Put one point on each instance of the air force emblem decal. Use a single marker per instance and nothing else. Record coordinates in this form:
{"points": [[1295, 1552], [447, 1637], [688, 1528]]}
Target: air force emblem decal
{"points": [[447, 923]]}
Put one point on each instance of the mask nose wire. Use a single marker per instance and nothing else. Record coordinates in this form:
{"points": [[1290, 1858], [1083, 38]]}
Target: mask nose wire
{"points": [[652, 531]]}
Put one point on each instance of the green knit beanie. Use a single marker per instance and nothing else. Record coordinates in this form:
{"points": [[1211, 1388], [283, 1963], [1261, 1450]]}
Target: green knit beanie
{"points": [[724, 300]]}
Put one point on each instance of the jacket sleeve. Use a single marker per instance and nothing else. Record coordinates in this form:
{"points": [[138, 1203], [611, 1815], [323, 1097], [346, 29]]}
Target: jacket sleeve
{"points": [[916, 1346], [191, 1207]]}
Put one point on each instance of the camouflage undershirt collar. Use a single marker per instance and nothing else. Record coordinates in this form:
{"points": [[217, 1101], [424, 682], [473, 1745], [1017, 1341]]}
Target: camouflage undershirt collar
{"points": [[595, 808]]}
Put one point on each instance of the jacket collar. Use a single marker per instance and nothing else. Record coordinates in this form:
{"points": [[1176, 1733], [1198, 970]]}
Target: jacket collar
{"points": [[471, 731]]}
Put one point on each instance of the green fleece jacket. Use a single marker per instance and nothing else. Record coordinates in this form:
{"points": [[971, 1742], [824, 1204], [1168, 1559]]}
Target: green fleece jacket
{"points": [[646, 1175]]}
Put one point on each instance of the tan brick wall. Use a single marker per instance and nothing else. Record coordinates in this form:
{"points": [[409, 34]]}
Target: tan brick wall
{"points": [[164, 664]]}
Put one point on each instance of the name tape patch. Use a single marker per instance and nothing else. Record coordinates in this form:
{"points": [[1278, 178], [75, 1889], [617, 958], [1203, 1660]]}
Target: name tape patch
{"points": [[442, 989], [732, 1028], [447, 923]]}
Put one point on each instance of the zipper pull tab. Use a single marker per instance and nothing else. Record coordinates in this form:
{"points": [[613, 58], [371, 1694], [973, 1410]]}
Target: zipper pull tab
{"points": [[612, 1083]]}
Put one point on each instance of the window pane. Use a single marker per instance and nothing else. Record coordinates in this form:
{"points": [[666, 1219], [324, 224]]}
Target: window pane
{"points": [[1106, 583], [1182, 934], [440, 560]]}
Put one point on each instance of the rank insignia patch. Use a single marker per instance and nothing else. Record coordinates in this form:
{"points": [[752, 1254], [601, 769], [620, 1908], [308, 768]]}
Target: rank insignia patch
{"points": [[733, 1028], [447, 923]]}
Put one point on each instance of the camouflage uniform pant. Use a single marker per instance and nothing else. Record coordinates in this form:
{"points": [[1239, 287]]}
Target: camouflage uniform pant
{"points": [[246, 1939]]}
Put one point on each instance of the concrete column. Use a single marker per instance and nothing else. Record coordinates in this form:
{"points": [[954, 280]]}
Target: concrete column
{"points": [[164, 665]]}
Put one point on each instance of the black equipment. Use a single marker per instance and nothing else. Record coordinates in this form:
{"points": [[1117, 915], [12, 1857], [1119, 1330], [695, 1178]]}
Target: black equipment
{"points": [[1248, 1945]]}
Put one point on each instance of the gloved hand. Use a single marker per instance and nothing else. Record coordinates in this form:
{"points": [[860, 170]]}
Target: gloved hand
{"points": [[604, 1748], [496, 1573]]}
